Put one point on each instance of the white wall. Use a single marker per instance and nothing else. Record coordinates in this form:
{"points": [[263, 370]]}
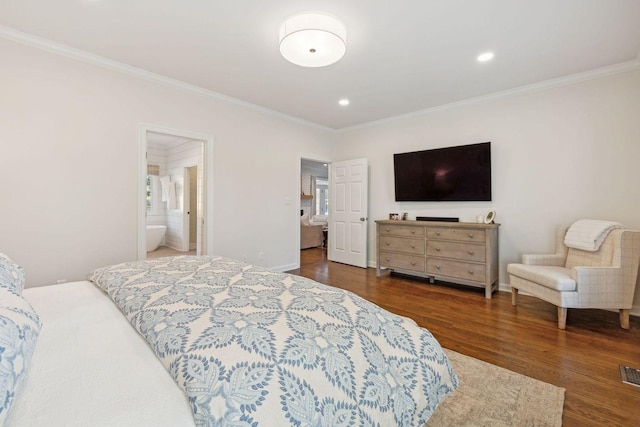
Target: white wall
{"points": [[559, 155], [69, 165]]}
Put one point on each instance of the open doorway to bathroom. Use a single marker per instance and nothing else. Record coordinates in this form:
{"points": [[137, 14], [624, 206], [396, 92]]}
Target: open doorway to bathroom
{"points": [[176, 193]]}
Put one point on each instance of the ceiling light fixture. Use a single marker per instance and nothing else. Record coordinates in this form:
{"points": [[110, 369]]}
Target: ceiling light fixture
{"points": [[487, 56], [344, 102], [312, 39]]}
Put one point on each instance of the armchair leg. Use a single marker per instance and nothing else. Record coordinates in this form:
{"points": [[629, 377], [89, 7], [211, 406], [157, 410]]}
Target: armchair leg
{"points": [[624, 318], [562, 317], [514, 296]]}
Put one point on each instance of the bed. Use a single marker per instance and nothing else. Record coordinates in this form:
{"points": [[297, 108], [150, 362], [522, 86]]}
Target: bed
{"points": [[208, 341]]}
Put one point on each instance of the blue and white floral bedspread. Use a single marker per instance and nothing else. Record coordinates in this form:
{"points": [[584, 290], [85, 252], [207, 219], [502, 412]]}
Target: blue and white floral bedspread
{"points": [[253, 347]]}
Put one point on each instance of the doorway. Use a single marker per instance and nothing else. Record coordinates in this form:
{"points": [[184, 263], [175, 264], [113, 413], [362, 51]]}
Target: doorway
{"points": [[314, 204], [176, 186]]}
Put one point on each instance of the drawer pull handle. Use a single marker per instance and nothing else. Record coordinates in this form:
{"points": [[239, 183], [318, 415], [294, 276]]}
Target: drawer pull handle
{"points": [[413, 231], [387, 243], [437, 267], [471, 235], [413, 263], [471, 272], [386, 229], [413, 246], [388, 259], [437, 249], [437, 233], [470, 252]]}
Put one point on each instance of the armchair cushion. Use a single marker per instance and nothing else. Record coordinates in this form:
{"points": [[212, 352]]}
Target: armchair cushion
{"points": [[558, 278]]}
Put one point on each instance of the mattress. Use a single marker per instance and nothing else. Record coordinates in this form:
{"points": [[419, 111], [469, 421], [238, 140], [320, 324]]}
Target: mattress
{"points": [[91, 368]]}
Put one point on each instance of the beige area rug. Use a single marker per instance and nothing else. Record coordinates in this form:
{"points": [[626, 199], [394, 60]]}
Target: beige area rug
{"points": [[489, 395]]}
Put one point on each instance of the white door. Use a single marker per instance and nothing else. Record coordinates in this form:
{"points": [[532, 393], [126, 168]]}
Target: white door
{"points": [[348, 190], [186, 203]]}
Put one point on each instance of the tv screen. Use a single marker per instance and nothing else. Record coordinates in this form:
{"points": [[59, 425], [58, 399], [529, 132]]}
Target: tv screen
{"points": [[460, 173]]}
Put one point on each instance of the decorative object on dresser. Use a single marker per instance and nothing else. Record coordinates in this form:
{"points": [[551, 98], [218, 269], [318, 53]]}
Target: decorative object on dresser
{"points": [[459, 252], [587, 270]]}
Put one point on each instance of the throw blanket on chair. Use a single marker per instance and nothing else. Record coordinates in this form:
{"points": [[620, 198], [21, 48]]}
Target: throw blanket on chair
{"points": [[588, 234]]}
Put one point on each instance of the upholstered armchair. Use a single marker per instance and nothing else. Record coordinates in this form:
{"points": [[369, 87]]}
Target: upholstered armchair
{"points": [[575, 278]]}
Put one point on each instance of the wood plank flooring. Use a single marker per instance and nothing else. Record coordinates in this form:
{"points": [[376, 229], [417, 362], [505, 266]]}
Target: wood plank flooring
{"points": [[583, 359]]}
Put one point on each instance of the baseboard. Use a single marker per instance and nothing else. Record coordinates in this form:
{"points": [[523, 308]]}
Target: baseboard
{"points": [[285, 268]]}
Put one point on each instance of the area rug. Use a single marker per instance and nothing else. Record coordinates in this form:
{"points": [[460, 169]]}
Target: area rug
{"points": [[489, 395]]}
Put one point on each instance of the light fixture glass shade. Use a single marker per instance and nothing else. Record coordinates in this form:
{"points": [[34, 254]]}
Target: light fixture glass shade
{"points": [[312, 39]]}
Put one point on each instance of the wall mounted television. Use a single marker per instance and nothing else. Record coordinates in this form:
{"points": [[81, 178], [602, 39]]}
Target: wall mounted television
{"points": [[450, 174]]}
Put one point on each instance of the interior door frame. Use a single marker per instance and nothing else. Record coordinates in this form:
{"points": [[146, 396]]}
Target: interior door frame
{"points": [[208, 148]]}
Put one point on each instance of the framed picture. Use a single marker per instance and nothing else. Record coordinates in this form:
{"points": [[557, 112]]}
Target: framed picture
{"points": [[489, 217]]}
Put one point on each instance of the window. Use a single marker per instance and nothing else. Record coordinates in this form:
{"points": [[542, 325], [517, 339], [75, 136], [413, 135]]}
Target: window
{"points": [[322, 196]]}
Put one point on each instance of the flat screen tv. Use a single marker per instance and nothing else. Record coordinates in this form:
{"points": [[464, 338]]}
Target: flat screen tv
{"points": [[450, 174]]}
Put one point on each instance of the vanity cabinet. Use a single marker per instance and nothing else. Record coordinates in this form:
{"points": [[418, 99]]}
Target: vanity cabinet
{"points": [[459, 252]]}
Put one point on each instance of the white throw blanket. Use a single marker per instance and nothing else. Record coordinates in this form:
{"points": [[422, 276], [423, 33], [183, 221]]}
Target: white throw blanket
{"points": [[588, 234], [168, 192]]}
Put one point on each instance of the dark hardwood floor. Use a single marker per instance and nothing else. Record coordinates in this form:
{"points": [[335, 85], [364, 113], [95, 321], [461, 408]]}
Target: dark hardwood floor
{"points": [[583, 359]]}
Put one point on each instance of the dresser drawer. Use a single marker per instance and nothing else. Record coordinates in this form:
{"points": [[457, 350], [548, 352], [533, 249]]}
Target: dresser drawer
{"points": [[399, 244], [457, 269], [402, 261], [460, 234], [401, 230], [461, 251]]}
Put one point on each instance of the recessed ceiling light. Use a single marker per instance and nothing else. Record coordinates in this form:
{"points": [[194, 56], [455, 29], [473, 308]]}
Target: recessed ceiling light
{"points": [[343, 102], [487, 56]]}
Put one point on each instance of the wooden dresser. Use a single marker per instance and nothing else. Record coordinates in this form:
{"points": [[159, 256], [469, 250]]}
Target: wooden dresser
{"points": [[459, 252]]}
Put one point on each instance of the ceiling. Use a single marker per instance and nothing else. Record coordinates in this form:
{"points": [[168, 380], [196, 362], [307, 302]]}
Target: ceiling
{"points": [[402, 56]]}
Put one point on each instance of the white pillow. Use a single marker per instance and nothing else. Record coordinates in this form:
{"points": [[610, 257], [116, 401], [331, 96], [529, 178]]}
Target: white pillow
{"points": [[304, 219], [319, 219]]}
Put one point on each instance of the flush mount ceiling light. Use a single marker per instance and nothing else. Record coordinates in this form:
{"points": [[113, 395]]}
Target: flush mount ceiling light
{"points": [[312, 39]]}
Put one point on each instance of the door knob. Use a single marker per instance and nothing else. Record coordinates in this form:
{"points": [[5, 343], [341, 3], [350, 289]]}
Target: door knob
{"points": [[363, 218]]}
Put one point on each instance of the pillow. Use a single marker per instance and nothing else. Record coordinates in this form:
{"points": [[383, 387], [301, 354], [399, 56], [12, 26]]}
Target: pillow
{"points": [[319, 219], [19, 329], [304, 219], [11, 275]]}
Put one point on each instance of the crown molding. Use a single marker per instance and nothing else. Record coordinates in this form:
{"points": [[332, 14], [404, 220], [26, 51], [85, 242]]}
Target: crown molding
{"points": [[17, 36], [561, 81], [14, 35]]}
